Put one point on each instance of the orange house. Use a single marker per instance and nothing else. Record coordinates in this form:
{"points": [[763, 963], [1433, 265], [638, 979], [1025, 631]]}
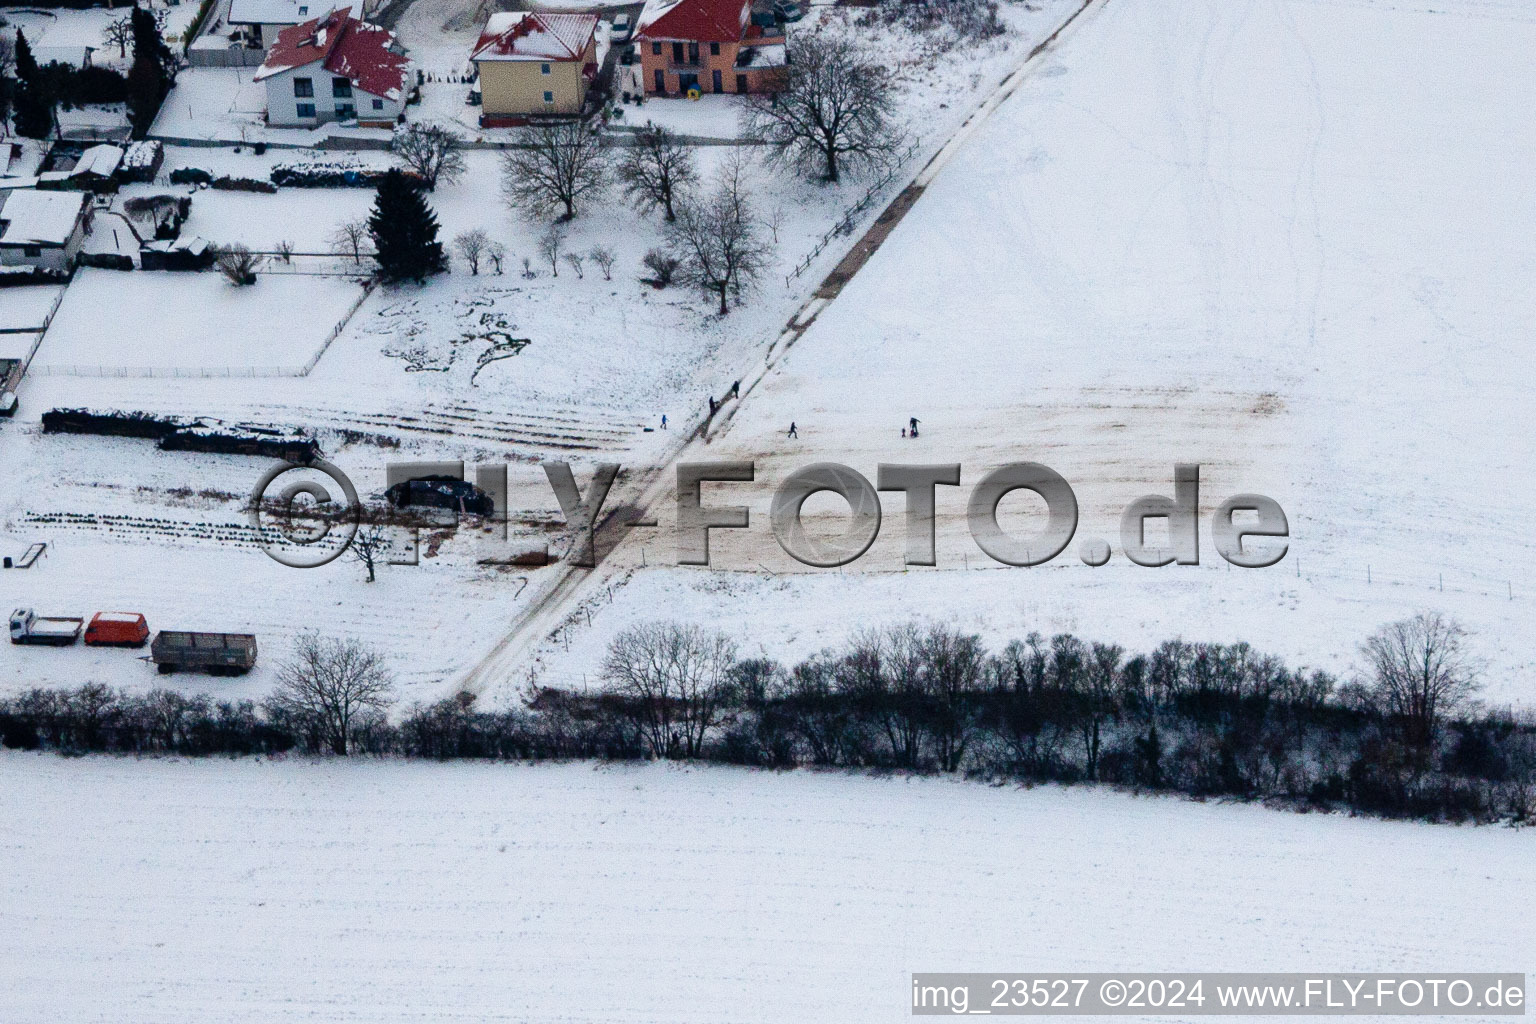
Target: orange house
{"points": [[708, 46]]}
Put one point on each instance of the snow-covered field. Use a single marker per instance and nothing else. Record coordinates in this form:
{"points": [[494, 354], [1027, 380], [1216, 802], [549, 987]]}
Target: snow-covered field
{"points": [[1201, 232], [257, 891], [193, 323]]}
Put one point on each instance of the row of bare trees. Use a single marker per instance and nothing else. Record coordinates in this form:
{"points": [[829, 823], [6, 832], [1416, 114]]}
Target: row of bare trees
{"points": [[1405, 738]]}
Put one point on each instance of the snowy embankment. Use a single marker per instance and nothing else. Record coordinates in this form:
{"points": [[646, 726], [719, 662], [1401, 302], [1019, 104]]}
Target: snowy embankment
{"points": [[250, 891], [1199, 232]]}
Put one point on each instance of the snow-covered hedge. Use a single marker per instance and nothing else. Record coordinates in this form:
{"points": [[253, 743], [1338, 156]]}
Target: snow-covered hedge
{"points": [[327, 174]]}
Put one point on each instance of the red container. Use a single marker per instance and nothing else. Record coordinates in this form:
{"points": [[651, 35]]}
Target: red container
{"points": [[117, 629]]}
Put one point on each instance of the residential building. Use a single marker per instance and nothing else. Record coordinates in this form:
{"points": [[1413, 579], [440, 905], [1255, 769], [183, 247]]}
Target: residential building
{"points": [[42, 228], [262, 20], [334, 68], [692, 47], [535, 63]]}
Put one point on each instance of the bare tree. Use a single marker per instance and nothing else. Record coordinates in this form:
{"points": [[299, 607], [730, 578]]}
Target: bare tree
{"points": [[118, 33], [657, 170], [153, 208], [718, 241], [328, 684], [1421, 671], [836, 110], [553, 168], [496, 253], [675, 677], [551, 243], [432, 151], [574, 261], [238, 264], [604, 258], [285, 251], [368, 545], [352, 238], [474, 245]]}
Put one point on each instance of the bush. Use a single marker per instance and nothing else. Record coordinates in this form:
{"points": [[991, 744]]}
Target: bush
{"points": [[191, 176], [104, 260], [663, 267], [230, 183]]}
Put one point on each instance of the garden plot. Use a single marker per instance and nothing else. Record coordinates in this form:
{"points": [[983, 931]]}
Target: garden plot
{"points": [[189, 324], [1239, 262]]}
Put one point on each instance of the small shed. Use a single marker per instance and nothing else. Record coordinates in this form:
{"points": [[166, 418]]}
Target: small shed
{"points": [[42, 228], [176, 254]]}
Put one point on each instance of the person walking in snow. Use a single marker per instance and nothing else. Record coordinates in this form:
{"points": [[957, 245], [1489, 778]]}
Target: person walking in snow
{"points": [[663, 421], [736, 390], [914, 426], [711, 405], [792, 431]]}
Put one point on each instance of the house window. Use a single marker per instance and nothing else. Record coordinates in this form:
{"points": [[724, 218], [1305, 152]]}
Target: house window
{"points": [[33, 251], [543, 69], [345, 111], [303, 88], [715, 83], [378, 104], [305, 110], [303, 10], [341, 88], [661, 81], [741, 83], [677, 53], [693, 53], [549, 97], [714, 49], [655, 49]]}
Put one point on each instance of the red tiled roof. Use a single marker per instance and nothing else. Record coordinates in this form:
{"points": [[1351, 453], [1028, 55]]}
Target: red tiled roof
{"points": [[350, 49], [529, 35], [700, 21]]}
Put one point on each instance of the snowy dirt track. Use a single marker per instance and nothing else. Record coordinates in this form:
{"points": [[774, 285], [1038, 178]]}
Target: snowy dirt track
{"points": [[1281, 239], [248, 891]]}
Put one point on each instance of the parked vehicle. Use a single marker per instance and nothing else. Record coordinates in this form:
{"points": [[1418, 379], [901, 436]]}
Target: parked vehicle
{"points": [[623, 25], [788, 10], [117, 629], [218, 654], [443, 492], [27, 627]]}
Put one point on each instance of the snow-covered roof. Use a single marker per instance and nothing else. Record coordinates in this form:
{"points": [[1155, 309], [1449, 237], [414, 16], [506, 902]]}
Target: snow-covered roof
{"points": [[535, 35], [34, 217], [352, 49], [194, 245], [276, 12], [100, 160], [700, 21], [774, 55], [15, 348]]}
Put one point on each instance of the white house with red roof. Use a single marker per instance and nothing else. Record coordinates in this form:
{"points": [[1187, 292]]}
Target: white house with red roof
{"points": [[335, 68], [535, 63], [691, 47]]}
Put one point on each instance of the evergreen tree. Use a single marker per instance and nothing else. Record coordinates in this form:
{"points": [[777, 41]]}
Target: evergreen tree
{"points": [[404, 231], [149, 78], [31, 104], [26, 64]]}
